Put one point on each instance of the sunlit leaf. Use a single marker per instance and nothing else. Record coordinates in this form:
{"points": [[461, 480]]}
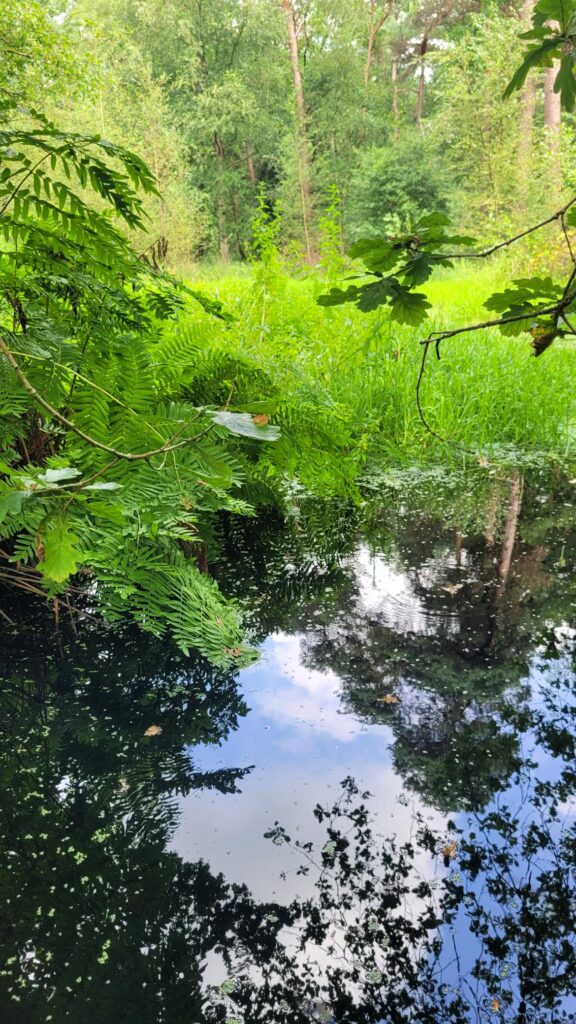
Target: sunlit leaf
{"points": [[103, 485], [61, 556], [242, 423], [410, 307], [449, 852], [55, 476]]}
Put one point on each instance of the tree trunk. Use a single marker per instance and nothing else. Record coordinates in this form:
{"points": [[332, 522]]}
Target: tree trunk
{"points": [[395, 107], [491, 515], [223, 239], [552, 108], [421, 80], [303, 148], [527, 108], [552, 120], [371, 38], [510, 526], [250, 163], [373, 30]]}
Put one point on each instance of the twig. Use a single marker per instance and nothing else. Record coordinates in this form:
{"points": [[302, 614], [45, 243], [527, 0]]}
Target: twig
{"points": [[436, 337], [509, 241], [22, 180], [439, 437], [128, 456], [92, 384], [567, 238]]}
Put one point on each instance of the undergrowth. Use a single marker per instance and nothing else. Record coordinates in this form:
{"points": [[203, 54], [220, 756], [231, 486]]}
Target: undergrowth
{"points": [[343, 383]]}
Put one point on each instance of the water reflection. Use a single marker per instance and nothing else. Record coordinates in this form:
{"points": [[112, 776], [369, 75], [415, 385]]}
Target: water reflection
{"points": [[419, 643]]}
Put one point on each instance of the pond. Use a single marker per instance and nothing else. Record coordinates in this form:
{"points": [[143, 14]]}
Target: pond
{"points": [[375, 821]]}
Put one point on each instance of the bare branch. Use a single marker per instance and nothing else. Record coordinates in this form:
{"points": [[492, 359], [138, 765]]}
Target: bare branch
{"points": [[510, 241], [436, 337]]}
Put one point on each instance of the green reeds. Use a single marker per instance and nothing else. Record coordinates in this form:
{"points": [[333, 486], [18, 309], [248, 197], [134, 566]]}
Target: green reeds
{"points": [[346, 381]]}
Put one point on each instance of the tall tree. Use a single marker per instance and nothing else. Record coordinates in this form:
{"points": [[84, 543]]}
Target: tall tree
{"points": [[302, 141], [527, 110], [552, 122], [379, 14]]}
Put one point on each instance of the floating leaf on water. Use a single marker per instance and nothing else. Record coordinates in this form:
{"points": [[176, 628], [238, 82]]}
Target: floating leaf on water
{"points": [[228, 986], [449, 851], [153, 730], [452, 588]]}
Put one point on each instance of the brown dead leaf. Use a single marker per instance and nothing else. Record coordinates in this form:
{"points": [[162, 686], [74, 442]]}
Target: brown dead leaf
{"points": [[153, 730], [449, 851], [388, 698], [542, 338], [260, 419], [452, 588]]}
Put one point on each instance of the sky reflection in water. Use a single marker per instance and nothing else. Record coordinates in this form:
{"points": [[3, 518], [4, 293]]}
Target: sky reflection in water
{"points": [[421, 645]]}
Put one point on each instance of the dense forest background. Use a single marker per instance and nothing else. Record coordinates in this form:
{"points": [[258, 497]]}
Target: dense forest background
{"points": [[360, 113]]}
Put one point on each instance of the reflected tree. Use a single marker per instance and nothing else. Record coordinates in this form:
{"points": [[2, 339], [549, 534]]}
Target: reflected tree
{"points": [[96, 751], [441, 659], [472, 921]]}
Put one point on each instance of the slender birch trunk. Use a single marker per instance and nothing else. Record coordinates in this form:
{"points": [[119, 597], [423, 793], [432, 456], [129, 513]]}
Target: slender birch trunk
{"points": [[304, 171], [527, 109]]}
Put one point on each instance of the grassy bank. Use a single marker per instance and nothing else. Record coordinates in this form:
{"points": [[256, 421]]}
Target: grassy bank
{"points": [[344, 382]]}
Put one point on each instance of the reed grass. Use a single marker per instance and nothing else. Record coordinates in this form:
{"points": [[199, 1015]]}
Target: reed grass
{"points": [[352, 376]]}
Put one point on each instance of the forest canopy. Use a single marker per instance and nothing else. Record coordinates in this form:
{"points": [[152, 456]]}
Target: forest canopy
{"points": [[397, 105]]}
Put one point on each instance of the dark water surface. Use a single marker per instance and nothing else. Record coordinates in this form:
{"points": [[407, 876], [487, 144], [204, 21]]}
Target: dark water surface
{"points": [[419, 648]]}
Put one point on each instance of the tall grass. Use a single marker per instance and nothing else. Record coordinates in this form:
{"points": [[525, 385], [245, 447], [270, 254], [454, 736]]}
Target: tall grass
{"points": [[346, 381]]}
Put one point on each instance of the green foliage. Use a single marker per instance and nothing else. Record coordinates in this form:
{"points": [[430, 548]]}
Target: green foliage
{"points": [[342, 382], [392, 187], [554, 28], [399, 263], [206, 94], [524, 298], [410, 258], [86, 376]]}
